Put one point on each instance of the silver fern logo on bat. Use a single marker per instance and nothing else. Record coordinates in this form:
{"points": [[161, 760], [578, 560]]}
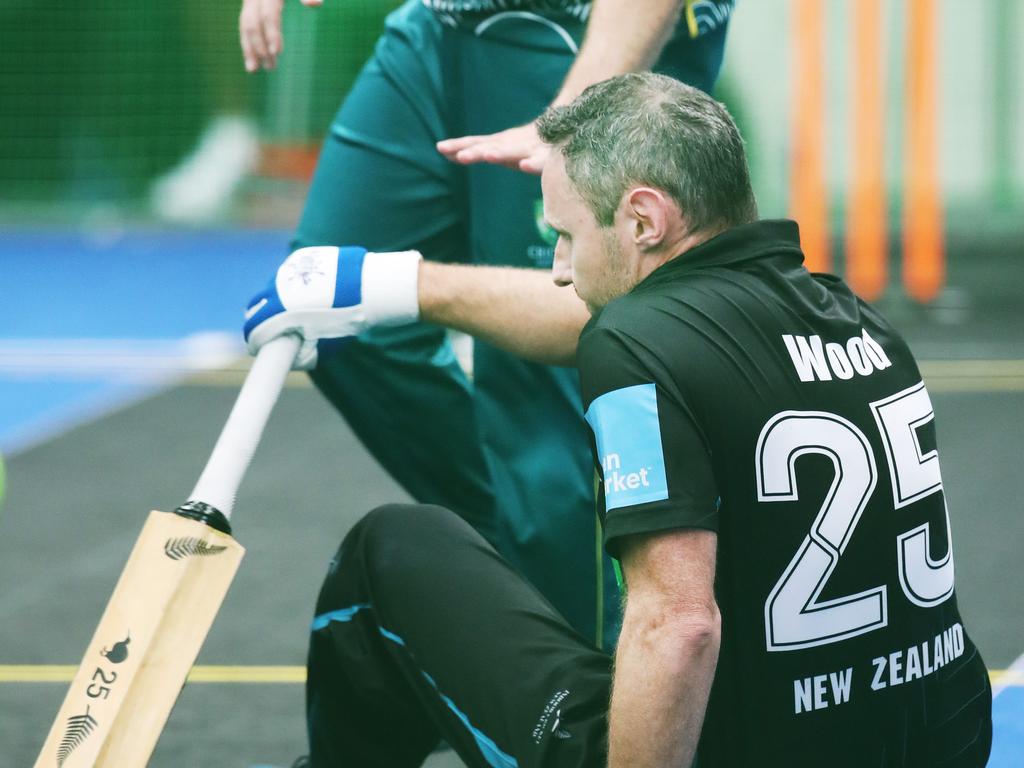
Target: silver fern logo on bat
{"points": [[76, 731], [190, 546]]}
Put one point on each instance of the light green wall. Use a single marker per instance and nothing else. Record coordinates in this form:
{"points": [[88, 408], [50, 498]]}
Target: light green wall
{"points": [[981, 129]]}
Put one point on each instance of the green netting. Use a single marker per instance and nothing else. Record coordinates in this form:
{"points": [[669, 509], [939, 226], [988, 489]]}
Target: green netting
{"points": [[98, 98]]}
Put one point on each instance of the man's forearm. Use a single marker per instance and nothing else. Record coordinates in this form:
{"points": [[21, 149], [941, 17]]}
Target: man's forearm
{"points": [[519, 310], [664, 667], [622, 36]]}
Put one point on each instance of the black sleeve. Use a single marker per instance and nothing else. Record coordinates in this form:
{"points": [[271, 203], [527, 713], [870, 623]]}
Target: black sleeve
{"points": [[651, 454]]}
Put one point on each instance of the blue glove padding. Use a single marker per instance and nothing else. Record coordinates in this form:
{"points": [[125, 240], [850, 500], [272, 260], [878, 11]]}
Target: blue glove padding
{"points": [[324, 292]]}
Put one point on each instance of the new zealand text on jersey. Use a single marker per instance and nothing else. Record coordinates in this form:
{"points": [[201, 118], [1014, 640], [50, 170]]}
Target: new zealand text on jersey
{"points": [[817, 360], [903, 665]]}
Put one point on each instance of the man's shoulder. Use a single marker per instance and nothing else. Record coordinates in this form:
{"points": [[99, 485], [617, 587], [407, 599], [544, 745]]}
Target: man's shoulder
{"points": [[660, 310], [619, 325], [604, 330], [614, 315], [642, 308], [619, 345]]}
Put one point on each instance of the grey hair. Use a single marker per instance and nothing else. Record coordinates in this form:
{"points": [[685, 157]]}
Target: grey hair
{"points": [[654, 131]]}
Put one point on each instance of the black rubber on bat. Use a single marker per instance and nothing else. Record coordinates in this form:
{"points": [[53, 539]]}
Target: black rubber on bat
{"points": [[204, 513]]}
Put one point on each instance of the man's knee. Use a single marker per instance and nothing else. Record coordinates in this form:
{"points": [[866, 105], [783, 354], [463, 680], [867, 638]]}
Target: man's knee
{"points": [[382, 536], [399, 531], [398, 542], [389, 552], [393, 522], [393, 544], [425, 525]]}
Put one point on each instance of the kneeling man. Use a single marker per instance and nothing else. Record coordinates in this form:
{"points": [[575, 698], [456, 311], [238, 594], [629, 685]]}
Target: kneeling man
{"points": [[769, 483]]}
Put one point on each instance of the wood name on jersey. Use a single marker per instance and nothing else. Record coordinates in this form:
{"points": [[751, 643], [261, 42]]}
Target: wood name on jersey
{"points": [[816, 360]]}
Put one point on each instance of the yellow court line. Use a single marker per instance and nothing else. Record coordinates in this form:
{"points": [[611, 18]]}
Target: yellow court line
{"points": [[962, 368], [973, 375], [62, 673], [235, 375], [939, 375], [1007, 677]]}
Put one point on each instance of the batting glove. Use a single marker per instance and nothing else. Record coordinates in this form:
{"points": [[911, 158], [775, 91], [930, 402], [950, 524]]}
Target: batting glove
{"points": [[325, 292]]}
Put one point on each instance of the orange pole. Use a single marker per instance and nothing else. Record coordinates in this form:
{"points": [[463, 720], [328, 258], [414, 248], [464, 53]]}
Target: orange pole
{"points": [[808, 202], [924, 261], [866, 216]]}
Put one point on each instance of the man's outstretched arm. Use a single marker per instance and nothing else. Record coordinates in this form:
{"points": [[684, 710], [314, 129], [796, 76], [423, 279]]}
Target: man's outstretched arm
{"points": [[667, 652], [324, 292], [621, 37], [519, 310]]}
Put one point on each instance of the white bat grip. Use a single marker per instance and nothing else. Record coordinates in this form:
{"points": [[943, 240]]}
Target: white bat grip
{"points": [[218, 484]]}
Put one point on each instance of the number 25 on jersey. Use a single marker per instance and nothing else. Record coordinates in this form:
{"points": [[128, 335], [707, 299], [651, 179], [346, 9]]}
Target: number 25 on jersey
{"points": [[795, 617]]}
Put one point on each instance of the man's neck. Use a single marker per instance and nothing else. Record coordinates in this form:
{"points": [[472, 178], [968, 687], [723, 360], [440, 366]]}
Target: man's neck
{"points": [[672, 250]]}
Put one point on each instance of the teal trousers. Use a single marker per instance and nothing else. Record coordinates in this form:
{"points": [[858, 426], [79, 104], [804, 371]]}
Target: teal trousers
{"points": [[509, 450]]}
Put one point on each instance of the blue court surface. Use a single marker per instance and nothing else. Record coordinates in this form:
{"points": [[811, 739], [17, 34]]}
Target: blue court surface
{"points": [[91, 320], [120, 356], [1008, 726]]}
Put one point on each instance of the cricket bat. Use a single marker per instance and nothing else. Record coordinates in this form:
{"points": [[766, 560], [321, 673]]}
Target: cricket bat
{"points": [[166, 599]]}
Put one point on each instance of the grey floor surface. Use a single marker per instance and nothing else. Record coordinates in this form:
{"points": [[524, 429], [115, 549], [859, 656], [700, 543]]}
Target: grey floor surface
{"points": [[76, 503], [75, 506]]}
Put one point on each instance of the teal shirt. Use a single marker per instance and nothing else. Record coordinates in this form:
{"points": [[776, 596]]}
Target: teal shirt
{"points": [[579, 9], [699, 16]]}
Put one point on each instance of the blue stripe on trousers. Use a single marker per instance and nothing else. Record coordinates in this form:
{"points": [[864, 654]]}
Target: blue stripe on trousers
{"points": [[494, 756]]}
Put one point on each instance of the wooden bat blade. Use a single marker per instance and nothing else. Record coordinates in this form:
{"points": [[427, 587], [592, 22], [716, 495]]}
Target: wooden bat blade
{"points": [[145, 644]]}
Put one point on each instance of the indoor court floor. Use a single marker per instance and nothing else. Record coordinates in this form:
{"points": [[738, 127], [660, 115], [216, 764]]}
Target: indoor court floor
{"points": [[119, 361]]}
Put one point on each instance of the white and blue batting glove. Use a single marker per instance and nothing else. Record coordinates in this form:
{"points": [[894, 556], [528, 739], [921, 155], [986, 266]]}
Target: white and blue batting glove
{"points": [[326, 292]]}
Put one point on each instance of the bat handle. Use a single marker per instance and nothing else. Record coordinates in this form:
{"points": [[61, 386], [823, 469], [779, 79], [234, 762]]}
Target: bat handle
{"points": [[218, 484]]}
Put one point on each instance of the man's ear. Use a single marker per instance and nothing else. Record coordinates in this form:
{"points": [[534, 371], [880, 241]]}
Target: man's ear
{"points": [[650, 211]]}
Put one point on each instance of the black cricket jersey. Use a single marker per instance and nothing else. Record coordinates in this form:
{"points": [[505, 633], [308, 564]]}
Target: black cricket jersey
{"points": [[734, 391]]}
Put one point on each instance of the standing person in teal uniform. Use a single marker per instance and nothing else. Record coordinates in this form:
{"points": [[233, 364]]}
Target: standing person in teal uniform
{"points": [[507, 450]]}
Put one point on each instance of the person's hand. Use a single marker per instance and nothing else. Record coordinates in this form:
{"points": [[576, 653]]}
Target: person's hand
{"points": [[259, 27], [325, 292], [519, 148]]}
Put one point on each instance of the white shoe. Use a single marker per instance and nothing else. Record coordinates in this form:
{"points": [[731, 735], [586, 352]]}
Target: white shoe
{"points": [[201, 185]]}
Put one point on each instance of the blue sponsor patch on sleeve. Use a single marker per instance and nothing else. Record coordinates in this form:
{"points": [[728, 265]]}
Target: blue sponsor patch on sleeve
{"points": [[628, 434]]}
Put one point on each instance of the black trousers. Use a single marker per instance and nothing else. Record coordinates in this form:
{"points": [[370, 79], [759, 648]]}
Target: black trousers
{"points": [[423, 632]]}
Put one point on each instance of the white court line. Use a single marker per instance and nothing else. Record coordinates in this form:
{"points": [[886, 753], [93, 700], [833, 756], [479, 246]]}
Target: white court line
{"points": [[131, 369], [1013, 674], [117, 358]]}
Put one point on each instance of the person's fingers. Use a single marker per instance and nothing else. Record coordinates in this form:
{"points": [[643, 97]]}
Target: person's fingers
{"points": [[509, 148], [533, 162], [450, 147], [257, 45], [479, 153], [499, 155], [248, 20], [517, 148], [248, 59], [270, 26], [472, 154], [495, 155]]}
